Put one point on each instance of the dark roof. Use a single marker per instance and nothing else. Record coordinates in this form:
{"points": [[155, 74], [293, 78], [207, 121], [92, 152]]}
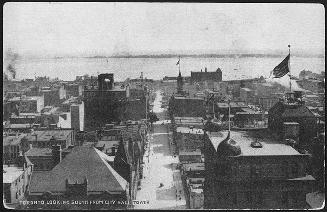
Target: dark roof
{"points": [[81, 163], [301, 111]]}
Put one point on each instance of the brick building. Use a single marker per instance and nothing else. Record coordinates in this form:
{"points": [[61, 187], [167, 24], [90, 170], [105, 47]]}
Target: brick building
{"points": [[206, 76], [108, 103], [83, 175], [293, 109], [28, 104], [48, 138], [16, 179]]}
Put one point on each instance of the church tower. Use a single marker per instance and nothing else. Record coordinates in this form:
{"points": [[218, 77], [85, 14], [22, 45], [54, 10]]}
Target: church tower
{"points": [[180, 83]]}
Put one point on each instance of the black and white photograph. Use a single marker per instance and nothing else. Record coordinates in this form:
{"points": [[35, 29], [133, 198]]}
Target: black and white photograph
{"points": [[163, 106]]}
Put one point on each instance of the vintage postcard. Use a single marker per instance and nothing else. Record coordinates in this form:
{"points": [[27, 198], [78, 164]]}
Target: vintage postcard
{"points": [[173, 106]]}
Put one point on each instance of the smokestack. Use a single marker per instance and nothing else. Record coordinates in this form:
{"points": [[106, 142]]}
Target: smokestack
{"points": [[12, 58]]}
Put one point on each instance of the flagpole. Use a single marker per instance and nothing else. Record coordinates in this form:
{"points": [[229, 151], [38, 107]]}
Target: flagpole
{"points": [[229, 116], [179, 63], [289, 66]]}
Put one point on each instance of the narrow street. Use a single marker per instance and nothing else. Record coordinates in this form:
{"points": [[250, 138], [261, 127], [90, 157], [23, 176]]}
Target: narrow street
{"points": [[161, 184]]}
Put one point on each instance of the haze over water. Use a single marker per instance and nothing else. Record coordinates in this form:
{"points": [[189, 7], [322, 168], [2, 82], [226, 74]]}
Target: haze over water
{"points": [[157, 68]]}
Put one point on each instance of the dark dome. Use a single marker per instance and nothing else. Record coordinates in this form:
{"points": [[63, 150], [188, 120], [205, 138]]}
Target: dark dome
{"points": [[228, 147]]}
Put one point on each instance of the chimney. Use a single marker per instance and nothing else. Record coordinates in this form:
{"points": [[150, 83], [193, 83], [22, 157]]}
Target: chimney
{"points": [[56, 154]]}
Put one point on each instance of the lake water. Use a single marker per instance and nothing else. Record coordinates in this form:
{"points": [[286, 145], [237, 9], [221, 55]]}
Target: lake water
{"points": [[157, 68]]}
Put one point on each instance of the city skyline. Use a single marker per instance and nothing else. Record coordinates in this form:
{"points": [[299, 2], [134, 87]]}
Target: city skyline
{"points": [[106, 29]]}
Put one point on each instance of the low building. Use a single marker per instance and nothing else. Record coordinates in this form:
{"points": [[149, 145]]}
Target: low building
{"points": [[196, 122], [206, 76], [48, 138], [190, 156], [28, 104], [41, 158], [186, 106], [15, 183], [12, 147], [73, 89], [53, 96], [247, 95], [189, 138]]}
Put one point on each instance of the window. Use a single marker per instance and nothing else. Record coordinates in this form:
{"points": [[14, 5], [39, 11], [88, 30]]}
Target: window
{"points": [[16, 195]]}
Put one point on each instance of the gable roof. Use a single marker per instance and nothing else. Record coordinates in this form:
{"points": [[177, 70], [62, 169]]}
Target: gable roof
{"points": [[81, 163]]}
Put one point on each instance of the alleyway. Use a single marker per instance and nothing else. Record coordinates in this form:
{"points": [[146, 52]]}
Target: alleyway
{"points": [[160, 168]]}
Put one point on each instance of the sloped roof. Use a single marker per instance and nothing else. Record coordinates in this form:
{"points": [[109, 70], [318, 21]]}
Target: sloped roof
{"points": [[81, 163], [301, 111]]}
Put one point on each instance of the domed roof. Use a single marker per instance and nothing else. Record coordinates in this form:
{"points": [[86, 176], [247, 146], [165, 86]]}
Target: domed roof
{"points": [[228, 147]]}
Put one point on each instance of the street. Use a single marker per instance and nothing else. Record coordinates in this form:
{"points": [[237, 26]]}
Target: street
{"points": [[161, 185]]}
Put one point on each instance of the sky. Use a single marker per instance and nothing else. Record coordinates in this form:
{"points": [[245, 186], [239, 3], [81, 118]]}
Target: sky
{"points": [[59, 29]]}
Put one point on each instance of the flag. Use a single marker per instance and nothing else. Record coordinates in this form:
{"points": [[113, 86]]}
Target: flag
{"points": [[178, 61], [282, 69]]}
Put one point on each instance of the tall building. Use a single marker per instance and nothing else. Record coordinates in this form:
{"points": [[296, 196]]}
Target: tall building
{"points": [[251, 169], [106, 103]]}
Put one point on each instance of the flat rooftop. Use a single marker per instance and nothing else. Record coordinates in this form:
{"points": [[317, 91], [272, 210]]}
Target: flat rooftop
{"points": [[196, 152], [46, 135], [193, 98], [26, 98], [10, 174], [107, 144], [243, 139], [193, 166], [19, 126], [12, 140], [37, 152], [187, 130]]}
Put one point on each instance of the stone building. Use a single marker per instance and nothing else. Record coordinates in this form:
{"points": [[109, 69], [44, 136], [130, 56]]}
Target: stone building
{"points": [[251, 169]]}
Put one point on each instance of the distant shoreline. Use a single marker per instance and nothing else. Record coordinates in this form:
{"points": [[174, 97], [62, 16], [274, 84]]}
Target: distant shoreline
{"points": [[186, 56]]}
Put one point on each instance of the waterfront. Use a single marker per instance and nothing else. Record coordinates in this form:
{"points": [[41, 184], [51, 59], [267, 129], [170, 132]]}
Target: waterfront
{"points": [[233, 68]]}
